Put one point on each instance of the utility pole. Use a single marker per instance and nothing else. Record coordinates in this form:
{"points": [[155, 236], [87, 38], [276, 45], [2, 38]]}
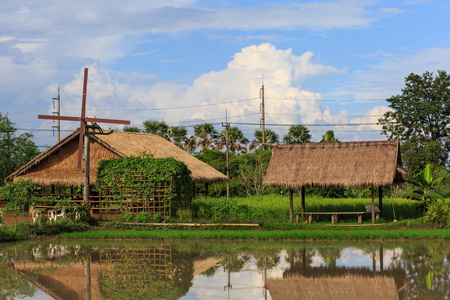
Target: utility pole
{"points": [[58, 113], [263, 117], [227, 125]]}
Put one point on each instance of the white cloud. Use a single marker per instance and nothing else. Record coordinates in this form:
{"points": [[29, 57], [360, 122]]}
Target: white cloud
{"points": [[110, 96]]}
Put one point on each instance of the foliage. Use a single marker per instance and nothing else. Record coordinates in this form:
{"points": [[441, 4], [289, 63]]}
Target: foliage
{"points": [[119, 174], [427, 186], [207, 135], [420, 114], [236, 140], [328, 137], [15, 151], [131, 129], [19, 194], [297, 134], [252, 167], [157, 127], [271, 138]]}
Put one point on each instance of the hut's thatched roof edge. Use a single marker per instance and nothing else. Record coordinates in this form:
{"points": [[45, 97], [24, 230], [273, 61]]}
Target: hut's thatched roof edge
{"points": [[343, 164], [41, 156]]}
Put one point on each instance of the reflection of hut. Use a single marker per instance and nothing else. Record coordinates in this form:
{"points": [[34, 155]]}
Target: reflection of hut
{"points": [[351, 164], [115, 273], [58, 164], [343, 287]]}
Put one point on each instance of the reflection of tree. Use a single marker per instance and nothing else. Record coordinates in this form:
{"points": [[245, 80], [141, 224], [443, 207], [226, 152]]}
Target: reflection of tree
{"points": [[235, 263], [146, 278], [266, 259], [12, 284], [427, 262], [330, 255], [299, 259]]}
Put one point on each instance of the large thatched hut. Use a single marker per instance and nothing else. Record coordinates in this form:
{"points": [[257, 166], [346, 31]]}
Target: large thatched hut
{"points": [[58, 164], [350, 164]]}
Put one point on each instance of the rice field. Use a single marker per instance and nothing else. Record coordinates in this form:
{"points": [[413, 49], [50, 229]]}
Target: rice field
{"points": [[275, 208]]}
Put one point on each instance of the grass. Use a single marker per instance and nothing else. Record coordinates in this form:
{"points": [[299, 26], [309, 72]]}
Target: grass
{"points": [[275, 208], [272, 211]]}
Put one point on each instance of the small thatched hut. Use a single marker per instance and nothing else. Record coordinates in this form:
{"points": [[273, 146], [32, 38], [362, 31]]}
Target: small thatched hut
{"points": [[58, 164], [350, 164]]}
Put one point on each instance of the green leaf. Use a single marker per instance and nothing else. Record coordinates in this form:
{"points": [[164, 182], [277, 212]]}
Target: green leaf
{"points": [[427, 174], [429, 280]]}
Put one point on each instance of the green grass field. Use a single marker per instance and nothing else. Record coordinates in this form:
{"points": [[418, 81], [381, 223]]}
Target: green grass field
{"points": [[275, 208]]}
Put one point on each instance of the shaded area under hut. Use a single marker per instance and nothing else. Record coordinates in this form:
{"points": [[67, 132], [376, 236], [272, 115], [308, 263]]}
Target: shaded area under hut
{"points": [[349, 164], [56, 168]]}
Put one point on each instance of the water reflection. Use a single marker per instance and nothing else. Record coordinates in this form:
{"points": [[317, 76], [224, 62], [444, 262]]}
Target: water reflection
{"points": [[233, 270]]}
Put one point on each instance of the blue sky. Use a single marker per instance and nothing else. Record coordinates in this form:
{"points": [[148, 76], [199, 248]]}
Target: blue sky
{"points": [[187, 62]]}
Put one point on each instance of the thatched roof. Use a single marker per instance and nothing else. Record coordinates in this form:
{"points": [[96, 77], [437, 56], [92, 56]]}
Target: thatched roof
{"points": [[349, 164], [58, 164], [345, 287]]}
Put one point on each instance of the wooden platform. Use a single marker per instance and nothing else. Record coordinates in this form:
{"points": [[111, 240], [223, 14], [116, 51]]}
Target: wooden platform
{"points": [[334, 215]]}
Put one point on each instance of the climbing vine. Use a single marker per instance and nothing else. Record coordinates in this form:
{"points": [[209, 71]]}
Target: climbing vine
{"points": [[144, 174]]}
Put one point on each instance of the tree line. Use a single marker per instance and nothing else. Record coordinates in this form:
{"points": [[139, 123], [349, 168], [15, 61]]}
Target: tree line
{"points": [[206, 136]]}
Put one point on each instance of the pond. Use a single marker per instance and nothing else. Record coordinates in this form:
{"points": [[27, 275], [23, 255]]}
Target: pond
{"points": [[224, 270]]}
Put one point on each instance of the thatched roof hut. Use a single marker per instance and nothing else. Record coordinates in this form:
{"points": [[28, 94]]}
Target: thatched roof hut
{"points": [[344, 287], [58, 164], [350, 164]]}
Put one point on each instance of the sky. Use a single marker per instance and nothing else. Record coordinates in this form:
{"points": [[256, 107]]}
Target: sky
{"points": [[329, 65]]}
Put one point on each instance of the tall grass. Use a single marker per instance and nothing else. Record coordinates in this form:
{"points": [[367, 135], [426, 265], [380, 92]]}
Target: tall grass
{"points": [[273, 208]]}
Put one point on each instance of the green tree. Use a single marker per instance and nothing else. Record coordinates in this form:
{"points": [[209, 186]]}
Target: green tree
{"points": [[328, 137], [157, 127], [236, 140], [206, 134], [420, 115], [297, 134], [177, 135], [131, 129], [15, 151], [271, 139]]}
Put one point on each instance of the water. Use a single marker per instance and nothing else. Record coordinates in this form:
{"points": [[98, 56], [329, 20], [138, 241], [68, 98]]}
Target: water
{"points": [[224, 270]]}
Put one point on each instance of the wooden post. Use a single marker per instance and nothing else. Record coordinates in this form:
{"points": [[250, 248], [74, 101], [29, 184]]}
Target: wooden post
{"points": [[86, 191], [291, 205], [302, 192], [373, 204], [380, 200]]}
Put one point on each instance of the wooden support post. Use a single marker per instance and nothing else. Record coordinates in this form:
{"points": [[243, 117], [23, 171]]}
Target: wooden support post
{"points": [[291, 205], [380, 200], [303, 202], [373, 204]]}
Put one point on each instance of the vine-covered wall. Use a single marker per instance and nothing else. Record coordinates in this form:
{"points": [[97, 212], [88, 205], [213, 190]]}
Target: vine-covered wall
{"points": [[135, 179]]}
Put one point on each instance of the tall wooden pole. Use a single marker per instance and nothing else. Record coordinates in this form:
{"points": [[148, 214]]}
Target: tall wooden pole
{"points": [[263, 119], [291, 205], [373, 204], [86, 166], [227, 153], [303, 201], [59, 114], [380, 200]]}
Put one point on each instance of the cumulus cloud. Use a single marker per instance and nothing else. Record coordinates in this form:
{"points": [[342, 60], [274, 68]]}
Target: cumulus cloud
{"points": [[235, 88]]}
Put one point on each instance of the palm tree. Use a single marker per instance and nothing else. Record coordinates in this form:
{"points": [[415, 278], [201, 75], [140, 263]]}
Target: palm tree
{"points": [[297, 134], [236, 140], [207, 135], [328, 137], [178, 135], [157, 127], [271, 138]]}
